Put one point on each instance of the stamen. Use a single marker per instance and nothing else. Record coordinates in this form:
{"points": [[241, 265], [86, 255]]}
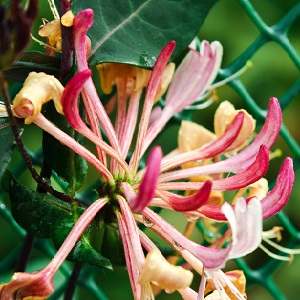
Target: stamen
{"points": [[206, 104], [281, 248], [233, 76], [275, 232], [53, 9], [42, 43], [273, 255]]}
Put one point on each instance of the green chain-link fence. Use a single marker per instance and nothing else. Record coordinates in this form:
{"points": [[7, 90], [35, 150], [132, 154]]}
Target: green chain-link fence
{"points": [[242, 28]]}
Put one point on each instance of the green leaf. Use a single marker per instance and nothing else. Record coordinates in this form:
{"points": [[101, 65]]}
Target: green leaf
{"points": [[33, 61], [35, 212], [44, 216], [6, 147], [135, 31], [69, 166], [83, 251]]}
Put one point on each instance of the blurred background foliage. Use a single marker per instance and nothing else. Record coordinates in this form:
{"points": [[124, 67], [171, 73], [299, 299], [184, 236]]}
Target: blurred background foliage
{"points": [[272, 74]]}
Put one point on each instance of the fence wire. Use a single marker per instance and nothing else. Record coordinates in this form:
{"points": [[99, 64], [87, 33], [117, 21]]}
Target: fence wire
{"points": [[90, 283]]}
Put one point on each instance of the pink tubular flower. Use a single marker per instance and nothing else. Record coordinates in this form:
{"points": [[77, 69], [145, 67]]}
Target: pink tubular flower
{"points": [[129, 191]]}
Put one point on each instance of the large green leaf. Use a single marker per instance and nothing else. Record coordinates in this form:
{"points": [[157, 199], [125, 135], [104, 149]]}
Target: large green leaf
{"points": [[69, 166], [6, 146], [135, 31]]}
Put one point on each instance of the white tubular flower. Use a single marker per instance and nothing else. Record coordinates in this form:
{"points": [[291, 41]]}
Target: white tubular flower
{"points": [[38, 89], [161, 273]]}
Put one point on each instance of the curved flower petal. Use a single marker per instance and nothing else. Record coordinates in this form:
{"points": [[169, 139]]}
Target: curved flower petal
{"points": [[267, 136], [224, 115], [211, 258], [38, 284], [70, 108], [192, 202], [272, 203], [82, 22], [245, 158], [70, 96], [246, 225], [253, 173], [279, 195], [216, 147], [148, 184]]}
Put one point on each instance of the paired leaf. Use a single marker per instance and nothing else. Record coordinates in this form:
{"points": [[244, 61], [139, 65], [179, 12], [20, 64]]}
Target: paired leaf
{"points": [[135, 31], [6, 147], [69, 166]]}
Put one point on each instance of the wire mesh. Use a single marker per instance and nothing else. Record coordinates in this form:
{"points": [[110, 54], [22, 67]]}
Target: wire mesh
{"points": [[90, 283]]}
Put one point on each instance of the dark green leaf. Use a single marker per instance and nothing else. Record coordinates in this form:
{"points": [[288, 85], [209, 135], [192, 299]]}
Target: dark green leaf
{"points": [[83, 251], [6, 147], [112, 246], [33, 61], [69, 166], [135, 31], [37, 213]]}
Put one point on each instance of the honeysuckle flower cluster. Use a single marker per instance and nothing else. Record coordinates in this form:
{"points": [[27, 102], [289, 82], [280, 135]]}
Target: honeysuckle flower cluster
{"points": [[130, 189]]}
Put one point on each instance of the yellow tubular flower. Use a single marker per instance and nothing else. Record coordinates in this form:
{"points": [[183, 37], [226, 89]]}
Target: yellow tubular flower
{"points": [[109, 72], [38, 89], [161, 273]]}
